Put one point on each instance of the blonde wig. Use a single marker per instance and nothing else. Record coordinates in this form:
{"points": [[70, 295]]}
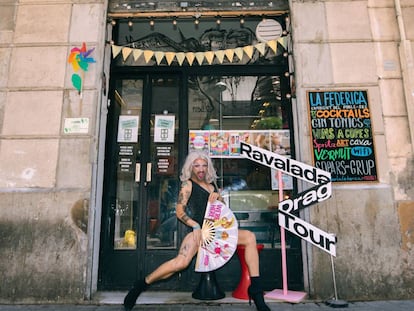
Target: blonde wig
{"points": [[187, 169]]}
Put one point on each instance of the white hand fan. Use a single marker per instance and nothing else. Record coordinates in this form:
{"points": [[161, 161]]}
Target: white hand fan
{"points": [[219, 237]]}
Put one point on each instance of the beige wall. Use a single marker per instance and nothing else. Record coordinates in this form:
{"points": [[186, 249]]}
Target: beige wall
{"points": [[45, 175], [355, 45]]}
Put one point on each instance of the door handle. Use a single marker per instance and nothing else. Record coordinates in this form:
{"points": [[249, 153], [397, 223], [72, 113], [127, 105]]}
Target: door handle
{"points": [[149, 172], [137, 172]]}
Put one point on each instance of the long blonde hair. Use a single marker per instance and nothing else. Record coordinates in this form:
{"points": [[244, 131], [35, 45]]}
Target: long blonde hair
{"points": [[187, 169]]}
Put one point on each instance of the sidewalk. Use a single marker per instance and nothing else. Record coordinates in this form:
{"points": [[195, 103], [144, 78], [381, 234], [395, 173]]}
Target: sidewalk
{"points": [[394, 305], [182, 301]]}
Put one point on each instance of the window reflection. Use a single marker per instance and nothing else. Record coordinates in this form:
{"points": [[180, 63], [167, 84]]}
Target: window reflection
{"points": [[227, 110]]}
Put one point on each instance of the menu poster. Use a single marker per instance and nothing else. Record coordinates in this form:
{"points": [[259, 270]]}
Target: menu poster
{"points": [[341, 133]]}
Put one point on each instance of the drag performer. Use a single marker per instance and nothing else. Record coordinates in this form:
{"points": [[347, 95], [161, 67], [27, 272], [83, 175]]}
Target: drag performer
{"points": [[198, 177]]}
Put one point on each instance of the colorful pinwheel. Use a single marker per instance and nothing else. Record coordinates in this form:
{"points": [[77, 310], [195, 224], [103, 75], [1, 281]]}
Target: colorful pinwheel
{"points": [[79, 58]]}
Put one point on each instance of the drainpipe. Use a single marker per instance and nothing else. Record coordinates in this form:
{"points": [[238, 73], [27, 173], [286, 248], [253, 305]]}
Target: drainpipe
{"points": [[407, 71]]}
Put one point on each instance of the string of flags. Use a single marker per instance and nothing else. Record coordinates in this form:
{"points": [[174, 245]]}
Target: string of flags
{"points": [[200, 57]]}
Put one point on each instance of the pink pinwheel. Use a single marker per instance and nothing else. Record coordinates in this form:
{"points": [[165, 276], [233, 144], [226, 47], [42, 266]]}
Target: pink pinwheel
{"points": [[79, 58]]}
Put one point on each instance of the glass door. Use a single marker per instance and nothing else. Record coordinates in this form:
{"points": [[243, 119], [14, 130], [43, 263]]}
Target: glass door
{"points": [[141, 178]]}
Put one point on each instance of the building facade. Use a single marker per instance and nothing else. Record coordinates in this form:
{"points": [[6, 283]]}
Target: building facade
{"points": [[347, 80]]}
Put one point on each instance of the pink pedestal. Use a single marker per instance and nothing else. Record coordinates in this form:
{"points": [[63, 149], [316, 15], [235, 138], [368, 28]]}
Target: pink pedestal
{"points": [[241, 291]]}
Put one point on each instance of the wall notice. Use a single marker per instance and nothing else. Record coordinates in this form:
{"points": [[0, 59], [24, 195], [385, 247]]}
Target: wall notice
{"points": [[342, 138]]}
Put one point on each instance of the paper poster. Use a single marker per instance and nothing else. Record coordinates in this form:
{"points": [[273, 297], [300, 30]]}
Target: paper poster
{"points": [[199, 141], [128, 129], [164, 128], [219, 143]]}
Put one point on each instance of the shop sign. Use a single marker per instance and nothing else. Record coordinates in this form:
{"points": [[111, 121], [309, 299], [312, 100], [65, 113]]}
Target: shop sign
{"points": [[341, 133], [319, 193]]}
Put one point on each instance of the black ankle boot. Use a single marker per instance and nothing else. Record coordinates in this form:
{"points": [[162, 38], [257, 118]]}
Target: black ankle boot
{"points": [[256, 293], [132, 296]]}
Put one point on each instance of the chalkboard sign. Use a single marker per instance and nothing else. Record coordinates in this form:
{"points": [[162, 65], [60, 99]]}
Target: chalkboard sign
{"points": [[342, 139]]}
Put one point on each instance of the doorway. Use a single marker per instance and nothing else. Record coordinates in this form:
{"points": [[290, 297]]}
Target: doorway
{"points": [[157, 114], [154, 121]]}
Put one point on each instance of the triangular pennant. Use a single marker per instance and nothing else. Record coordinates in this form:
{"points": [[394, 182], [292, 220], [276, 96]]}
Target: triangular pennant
{"points": [[115, 50], [272, 44], [136, 53], [239, 53], [283, 42], [200, 57], [180, 57], [220, 55], [261, 47], [147, 55], [209, 56], [126, 52], [159, 56], [169, 56], [230, 54], [190, 57], [248, 50]]}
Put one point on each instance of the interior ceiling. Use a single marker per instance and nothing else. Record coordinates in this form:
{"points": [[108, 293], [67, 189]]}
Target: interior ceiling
{"points": [[191, 6]]}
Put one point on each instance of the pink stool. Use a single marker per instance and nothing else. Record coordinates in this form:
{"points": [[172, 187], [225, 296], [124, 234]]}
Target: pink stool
{"points": [[241, 291]]}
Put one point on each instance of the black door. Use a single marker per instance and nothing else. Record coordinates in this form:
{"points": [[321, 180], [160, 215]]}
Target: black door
{"points": [[153, 121], [139, 227]]}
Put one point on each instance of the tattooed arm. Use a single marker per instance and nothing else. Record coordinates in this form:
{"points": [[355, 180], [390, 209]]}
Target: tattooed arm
{"points": [[183, 197]]}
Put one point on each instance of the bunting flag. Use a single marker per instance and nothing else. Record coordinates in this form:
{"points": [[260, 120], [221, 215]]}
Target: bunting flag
{"points": [[180, 57], [239, 53], [249, 51], [159, 56], [220, 56], [200, 57], [190, 57], [209, 57], [169, 56], [261, 47], [229, 53], [137, 53], [126, 52], [148, 55]]}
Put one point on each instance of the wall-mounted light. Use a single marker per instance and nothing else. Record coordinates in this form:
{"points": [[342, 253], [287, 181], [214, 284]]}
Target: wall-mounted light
{"points": [[152, 22], [218, 20], [130, 24], [242, 20], [174, 21]]}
